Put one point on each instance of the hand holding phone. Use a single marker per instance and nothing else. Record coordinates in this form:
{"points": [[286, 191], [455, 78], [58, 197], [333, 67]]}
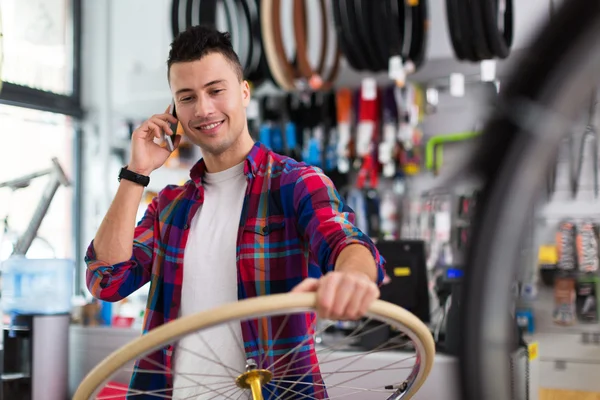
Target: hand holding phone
{"points": [[147, 153]]}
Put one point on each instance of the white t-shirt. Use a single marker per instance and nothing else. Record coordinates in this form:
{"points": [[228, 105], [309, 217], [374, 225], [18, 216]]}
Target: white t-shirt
{"points": [[210, 280]]}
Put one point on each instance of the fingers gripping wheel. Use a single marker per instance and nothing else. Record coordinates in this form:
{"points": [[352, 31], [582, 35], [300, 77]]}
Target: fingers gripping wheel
{"points": [[276, 372]]}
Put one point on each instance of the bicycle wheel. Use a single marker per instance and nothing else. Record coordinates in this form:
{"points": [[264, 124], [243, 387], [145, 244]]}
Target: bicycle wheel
{"points": [[536, 108], [279, 380]]}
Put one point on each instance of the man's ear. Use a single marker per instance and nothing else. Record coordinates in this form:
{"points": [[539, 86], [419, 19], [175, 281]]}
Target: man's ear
{"points": [[245, 93]]}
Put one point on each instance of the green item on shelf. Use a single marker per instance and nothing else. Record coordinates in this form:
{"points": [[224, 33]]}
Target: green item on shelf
{"points": [[434, 147]]}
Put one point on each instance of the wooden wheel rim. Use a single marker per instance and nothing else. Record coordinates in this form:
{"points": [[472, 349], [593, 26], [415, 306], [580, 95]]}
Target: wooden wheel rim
{"points": [[253, 308]]}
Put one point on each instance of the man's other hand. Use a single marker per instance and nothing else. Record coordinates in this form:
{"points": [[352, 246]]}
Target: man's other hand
{"points": [[341, 295]]}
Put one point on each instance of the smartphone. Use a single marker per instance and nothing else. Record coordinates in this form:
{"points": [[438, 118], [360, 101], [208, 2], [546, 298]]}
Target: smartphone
{"points": [[170, 139]]}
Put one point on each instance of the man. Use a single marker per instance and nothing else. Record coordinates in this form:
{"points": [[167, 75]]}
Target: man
{"points": [[248, 223]]}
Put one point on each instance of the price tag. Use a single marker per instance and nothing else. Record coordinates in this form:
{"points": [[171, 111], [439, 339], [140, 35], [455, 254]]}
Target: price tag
{"points": [[547, 254], [442, 226], [533, 350], [396, 69], [369, 89], [488, 70], [252, 111], [385, 153], [364, 136], [457, 85], [433, 96]]}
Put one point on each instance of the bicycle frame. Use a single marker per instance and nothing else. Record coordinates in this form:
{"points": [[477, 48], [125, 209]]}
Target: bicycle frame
{"points": [[57, 178]]}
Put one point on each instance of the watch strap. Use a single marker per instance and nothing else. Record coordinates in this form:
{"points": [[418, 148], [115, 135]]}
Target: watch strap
{"points": [[133, 177]]}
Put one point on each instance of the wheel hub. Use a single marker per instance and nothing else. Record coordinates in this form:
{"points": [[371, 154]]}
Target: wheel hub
{"points": [[254, 379]]}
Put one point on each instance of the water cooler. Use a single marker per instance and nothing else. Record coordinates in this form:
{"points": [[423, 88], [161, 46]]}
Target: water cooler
{"points": [[36, 304]]}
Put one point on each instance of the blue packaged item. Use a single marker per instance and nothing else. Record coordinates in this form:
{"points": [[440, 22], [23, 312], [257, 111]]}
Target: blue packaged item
{"points": [[276, 139], [290, 135], [264, 135]]}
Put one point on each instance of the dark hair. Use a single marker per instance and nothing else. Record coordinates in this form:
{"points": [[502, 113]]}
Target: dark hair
{"points": [[199, 41]]}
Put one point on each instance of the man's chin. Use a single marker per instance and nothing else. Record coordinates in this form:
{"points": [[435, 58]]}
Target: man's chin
{"points": [[214, 148]]}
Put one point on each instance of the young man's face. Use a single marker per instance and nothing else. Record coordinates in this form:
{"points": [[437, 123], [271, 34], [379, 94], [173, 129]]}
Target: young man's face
{"points": [[210, 101]]}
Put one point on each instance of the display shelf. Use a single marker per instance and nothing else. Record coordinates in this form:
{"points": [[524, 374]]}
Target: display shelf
{"points": [[570, 209], [543, 307]]}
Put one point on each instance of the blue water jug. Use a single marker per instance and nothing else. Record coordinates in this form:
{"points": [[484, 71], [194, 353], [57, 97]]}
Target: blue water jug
{"points": [[37, 286]]}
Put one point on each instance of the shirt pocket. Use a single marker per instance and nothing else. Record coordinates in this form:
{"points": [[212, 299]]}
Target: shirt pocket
{"points": [[270, 255], [265, 242], [265, 229]]}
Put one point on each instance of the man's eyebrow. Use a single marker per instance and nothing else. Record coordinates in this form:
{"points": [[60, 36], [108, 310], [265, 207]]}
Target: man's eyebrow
{"points": [[183, 91], [215, 82], [211, 83]]}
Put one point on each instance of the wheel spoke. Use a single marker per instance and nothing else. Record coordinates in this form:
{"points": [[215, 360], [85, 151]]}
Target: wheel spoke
{"points": [[309, 335], [273, 340], [323, 376], [235, 338], [229, 369], [195, 395]]}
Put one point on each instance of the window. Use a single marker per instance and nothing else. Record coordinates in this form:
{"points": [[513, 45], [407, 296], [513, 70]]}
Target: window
{"points": [[30, 139], [38, 44], [41, 54]]}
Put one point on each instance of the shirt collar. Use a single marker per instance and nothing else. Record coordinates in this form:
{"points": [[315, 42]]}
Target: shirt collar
{"points": [[253, 161]]}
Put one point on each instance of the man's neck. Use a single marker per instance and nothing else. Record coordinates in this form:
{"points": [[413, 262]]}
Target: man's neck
{"points": [[232, 156]]}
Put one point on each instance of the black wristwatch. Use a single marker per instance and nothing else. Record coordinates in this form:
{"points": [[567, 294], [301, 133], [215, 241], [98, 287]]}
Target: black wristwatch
{"points": [[133, 177]]}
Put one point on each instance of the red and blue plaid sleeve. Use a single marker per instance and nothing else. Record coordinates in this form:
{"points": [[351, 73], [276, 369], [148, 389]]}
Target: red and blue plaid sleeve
{"points": [[326, 222], [115, 282]]}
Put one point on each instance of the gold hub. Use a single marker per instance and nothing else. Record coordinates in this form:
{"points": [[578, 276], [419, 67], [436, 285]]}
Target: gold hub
{"points": [[254, 379]]}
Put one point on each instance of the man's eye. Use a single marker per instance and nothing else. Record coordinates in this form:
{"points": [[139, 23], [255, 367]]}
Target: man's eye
{"points": [[217, 91]]}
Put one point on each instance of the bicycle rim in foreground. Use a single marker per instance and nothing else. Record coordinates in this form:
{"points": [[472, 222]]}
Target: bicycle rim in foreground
{"points": [[396, 361], [537, 107]]}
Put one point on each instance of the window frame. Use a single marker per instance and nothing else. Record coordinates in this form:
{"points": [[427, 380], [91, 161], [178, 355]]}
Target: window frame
{"points": [[27, 97], [69, 105]]}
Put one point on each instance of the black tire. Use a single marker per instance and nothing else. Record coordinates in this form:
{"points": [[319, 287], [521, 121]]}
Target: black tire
{"points": [[420, 31], [457, 36], [517, 148], [345, 44], [479, 30], [498, 41], [175, 18]]}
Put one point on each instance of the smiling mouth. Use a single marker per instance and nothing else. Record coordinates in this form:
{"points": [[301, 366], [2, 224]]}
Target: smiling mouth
{"points": [[208, 127]]}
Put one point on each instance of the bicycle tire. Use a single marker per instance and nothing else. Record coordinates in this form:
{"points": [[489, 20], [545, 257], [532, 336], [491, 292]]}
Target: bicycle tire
{"points": [[175, 18], [516, 149], [420, 31], [478, 39], [353, 36], [498, 41], [252, 308], [457, 37]]}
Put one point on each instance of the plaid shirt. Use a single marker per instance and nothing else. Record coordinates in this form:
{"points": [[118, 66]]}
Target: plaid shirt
{"points": [[293, 226]]}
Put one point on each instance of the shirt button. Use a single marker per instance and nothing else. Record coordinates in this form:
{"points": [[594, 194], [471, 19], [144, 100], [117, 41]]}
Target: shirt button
{"points": [[186, 226]]}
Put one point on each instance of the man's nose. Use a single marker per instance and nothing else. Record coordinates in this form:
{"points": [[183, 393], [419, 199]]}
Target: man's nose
{"points": [[204, 107]]}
